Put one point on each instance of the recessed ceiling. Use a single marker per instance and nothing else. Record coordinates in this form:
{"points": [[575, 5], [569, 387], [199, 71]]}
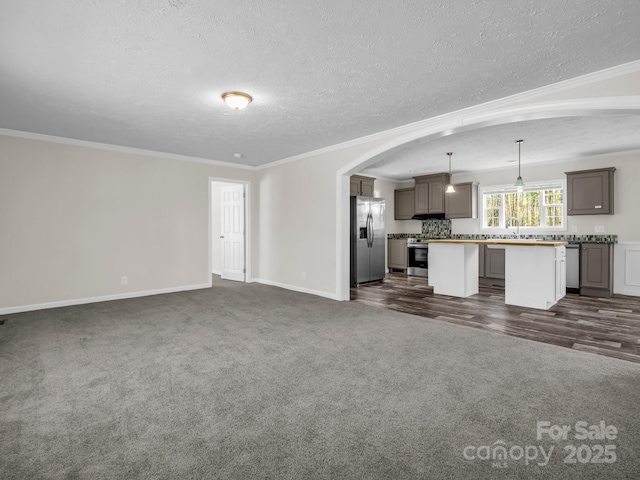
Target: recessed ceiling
{"points": [[149, 74]]}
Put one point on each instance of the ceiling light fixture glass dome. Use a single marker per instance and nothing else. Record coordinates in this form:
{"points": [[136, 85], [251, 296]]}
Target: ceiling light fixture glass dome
{"points": [[236, 100]]}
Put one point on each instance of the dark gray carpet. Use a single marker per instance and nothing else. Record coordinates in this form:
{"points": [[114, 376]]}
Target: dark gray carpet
{"points": [[251, 382]]}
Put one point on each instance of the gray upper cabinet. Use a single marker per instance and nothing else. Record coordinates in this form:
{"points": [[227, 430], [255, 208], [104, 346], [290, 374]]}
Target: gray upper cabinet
{"points": [[404, 200], [429, 193], [360, 185], [590, 192], [421, 198], [463, 203]]}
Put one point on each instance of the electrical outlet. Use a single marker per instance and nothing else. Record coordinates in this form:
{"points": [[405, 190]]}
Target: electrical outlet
{"points": [[304, 276], [574, 228], [124, 280], [599, 228]]}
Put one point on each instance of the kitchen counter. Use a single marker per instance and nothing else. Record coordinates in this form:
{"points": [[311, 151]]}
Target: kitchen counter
{"points": [[503, 242], [608, 239], [535, 271]]}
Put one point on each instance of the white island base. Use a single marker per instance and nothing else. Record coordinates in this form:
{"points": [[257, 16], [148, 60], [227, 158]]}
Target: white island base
{"points": [[534, 277], [453, 269], [535, 272]]}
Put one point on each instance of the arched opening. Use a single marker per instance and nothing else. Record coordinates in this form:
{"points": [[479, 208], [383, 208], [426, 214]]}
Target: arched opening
{"points": [[455, 123]]}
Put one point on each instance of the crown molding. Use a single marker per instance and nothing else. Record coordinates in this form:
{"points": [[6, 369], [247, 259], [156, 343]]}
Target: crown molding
{"points": [[118, 148]]}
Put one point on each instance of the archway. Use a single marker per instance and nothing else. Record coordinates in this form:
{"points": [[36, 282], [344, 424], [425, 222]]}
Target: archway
{"points": [[458, 122]]}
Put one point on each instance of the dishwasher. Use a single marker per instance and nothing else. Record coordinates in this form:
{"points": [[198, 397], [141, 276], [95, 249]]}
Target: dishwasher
{"points": [[573, 268]]}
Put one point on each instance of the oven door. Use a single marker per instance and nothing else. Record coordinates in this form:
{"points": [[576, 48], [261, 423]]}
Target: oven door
{"points": [[418, 259]]}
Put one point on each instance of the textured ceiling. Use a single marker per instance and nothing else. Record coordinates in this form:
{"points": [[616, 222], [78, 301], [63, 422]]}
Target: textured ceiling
{"points": [[149, 74]]}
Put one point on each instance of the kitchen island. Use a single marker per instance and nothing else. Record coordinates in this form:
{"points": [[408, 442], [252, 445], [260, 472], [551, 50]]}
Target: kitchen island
{"points": [[535, 271]]}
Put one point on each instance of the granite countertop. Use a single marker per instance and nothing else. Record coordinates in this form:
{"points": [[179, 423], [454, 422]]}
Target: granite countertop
{"points": [[548, 238], [520, 242]]}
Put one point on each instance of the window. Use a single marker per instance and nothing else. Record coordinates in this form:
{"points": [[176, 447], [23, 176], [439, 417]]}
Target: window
{"points": [[539, 206]]}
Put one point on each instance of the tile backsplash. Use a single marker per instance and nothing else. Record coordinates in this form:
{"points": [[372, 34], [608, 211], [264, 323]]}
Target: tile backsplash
{"points": [[436, 228]]}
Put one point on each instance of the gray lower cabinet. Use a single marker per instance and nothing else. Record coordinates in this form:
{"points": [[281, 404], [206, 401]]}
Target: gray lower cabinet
{"points": [[590, 192], [596, 269], [491, 263], [397, 253], [403, 203], [463, 203], [494, 263]]}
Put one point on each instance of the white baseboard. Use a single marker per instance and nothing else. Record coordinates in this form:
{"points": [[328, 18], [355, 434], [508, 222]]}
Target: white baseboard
{"points": [[146, 293], [295, 288], [106, 298]]}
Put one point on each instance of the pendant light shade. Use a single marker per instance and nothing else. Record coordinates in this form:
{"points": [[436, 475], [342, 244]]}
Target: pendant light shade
{"points": [[450, 188], [519, 182]]}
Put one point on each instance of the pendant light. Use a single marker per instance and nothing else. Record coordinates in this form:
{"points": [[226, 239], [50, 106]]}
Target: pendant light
{"points": [[450, 188], [519, 182]]}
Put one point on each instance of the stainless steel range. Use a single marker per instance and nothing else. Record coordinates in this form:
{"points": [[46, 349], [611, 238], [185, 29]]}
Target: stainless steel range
{"points": [[417, 257]]}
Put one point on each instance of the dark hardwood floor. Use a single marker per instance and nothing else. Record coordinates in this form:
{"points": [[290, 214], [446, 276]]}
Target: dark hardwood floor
{"points": [[605, 326]]}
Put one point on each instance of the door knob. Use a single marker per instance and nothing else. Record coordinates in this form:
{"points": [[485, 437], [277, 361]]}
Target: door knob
{"points": [[221, 236]]}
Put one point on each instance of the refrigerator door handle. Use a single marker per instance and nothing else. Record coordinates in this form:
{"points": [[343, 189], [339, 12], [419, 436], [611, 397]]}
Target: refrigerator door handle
{"points": [[368, 230], [372, 235]]}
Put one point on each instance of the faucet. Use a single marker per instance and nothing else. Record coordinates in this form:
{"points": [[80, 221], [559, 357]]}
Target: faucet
{"points": [[517, 225]]}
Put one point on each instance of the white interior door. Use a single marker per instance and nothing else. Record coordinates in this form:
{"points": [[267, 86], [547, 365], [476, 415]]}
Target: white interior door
{"points": [[232, 232]]}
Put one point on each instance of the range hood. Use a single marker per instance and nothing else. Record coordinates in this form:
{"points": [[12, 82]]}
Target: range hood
{"points": [[428, 216]]}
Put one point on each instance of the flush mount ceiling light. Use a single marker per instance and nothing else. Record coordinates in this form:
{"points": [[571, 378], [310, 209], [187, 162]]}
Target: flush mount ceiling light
{"points": [[237, 100], [450, 188], [519, 182]]}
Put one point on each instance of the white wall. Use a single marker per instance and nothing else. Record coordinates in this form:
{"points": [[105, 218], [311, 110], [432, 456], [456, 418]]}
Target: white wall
{"points": [[74, 220], [386, 189], [298, 211]]}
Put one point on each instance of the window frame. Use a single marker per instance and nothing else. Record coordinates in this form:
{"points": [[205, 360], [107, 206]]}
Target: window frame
{"points": [[529, 186]]}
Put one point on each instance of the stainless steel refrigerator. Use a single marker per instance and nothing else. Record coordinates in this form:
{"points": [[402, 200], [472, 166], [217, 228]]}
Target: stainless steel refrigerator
{"points": [[367, 240]]}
